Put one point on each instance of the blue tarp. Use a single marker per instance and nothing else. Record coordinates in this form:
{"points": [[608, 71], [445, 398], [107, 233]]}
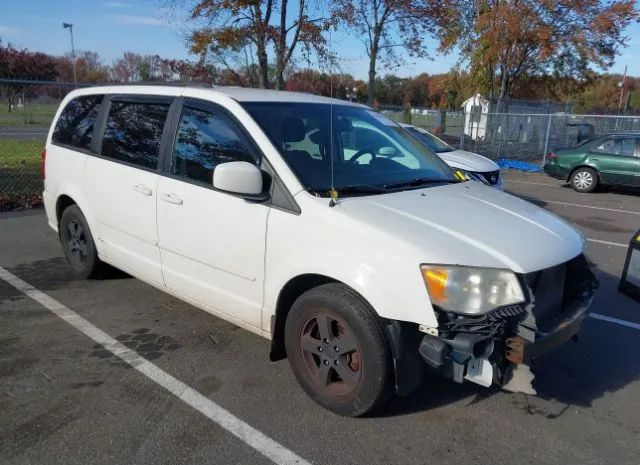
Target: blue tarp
{"points": [[507, 163]]}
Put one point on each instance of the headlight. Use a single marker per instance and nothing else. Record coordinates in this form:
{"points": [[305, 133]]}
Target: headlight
{"points": [[470, 290]]}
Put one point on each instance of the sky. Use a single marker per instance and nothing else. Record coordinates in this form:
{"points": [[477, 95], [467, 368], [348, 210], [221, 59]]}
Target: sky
{"points": [[114, 27]]}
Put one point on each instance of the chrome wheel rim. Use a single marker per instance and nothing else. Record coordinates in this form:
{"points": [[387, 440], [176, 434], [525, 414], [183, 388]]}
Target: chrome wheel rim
{"points": [[583, 180]]}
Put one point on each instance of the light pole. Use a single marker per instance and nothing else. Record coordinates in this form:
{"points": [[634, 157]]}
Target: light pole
{"points": [[621, 84], [73, 50]]}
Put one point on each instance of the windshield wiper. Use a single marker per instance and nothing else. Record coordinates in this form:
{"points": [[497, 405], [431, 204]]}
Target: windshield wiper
{"points": [[419, 182], [352, 189]]}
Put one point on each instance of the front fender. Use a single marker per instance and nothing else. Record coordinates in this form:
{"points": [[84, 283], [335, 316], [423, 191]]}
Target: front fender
{"points": [[388, 277]]}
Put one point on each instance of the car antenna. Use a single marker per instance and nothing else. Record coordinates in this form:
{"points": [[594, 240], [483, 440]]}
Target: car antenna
{"points": [[334, 193]]}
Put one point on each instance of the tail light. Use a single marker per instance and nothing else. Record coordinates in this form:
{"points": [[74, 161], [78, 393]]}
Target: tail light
{"points": [[551, 156], [43, 155]]}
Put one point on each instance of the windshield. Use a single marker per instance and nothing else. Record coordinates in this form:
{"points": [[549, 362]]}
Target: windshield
{"points": [[429, 140], [370, 153]]}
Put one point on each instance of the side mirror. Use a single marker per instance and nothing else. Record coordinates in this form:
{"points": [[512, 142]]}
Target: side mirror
{"points": [[238, 177], [388, 151]]}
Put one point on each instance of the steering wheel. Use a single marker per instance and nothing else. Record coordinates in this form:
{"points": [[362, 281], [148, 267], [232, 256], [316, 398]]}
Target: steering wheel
{"points": [[359, 153]]}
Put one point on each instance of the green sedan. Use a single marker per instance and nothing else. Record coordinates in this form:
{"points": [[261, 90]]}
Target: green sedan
{"points": [[613, 159]]}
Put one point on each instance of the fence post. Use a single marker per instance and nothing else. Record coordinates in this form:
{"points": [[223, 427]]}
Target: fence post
{"points": [[546, 141], [463, 127]]}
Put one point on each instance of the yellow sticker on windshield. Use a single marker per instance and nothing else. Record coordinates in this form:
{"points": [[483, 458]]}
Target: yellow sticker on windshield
{"points": [[460, 176]]}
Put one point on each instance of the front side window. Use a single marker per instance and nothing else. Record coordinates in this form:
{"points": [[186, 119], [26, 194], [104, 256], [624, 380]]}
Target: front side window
{"points": [[352, 149], [618, 146], [134, 131], [75, 124], [206, 139]]}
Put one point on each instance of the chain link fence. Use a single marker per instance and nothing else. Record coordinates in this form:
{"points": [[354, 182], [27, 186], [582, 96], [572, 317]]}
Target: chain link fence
{"points": [[26, 111], [523, 138]]}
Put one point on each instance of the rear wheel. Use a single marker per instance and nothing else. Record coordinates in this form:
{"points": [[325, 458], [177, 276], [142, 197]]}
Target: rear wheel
{"points": [[338, 350], [584, 180], [77, 244]]}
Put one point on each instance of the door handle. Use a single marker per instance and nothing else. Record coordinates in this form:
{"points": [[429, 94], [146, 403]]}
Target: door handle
{"points": [[142, 189], [171, 198]]}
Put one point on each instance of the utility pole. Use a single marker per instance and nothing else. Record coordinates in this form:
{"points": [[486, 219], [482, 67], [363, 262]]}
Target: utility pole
{"points": [[73, 50]]}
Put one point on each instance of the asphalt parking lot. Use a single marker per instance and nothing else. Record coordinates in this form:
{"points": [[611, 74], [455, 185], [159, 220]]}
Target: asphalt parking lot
{"points": [[210, 394]]}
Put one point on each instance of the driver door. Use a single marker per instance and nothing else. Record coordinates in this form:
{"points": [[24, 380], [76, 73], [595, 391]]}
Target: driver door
{"points": [[212, 243]]}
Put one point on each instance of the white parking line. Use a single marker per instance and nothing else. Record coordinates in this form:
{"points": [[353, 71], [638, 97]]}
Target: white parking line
{"points": [[615, 244], [243, 431], [617, 321], [580, 205]]}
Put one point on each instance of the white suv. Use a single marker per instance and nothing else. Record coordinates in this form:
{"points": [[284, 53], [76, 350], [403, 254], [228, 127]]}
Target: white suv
{"points": [[316, 223], [473, 165]]}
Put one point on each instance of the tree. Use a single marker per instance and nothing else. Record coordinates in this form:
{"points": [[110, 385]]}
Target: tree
{"points": [[233, 26], [388, 25], [128, 68], [337, 85], [89, 68], [16, 63], [505, 40]]}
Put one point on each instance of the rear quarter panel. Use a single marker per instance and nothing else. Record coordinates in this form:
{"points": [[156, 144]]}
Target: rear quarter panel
{"points": [[65, 173]]}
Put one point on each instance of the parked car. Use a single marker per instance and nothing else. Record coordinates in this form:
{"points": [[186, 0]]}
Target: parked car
{"points": [[612, 159], [475, 166], [363, 265]]}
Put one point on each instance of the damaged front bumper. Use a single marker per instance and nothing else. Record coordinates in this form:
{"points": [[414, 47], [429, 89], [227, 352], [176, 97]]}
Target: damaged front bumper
{"points": [[485, 349], [520, 350]]}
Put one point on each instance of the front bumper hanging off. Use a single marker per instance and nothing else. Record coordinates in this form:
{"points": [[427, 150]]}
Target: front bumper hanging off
{"points": [[485, 349], [520, 350]]}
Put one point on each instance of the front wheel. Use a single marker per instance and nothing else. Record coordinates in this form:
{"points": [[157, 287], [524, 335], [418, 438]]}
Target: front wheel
{"points": [[584, 180], [338, 350]]}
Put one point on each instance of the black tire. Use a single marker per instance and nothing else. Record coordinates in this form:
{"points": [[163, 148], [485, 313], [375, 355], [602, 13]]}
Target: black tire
{"points": [[355, 365], [584, 180], [77, 244]]}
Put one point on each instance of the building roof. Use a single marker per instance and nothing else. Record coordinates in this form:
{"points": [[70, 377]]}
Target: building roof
{"points": [[476, 98]]}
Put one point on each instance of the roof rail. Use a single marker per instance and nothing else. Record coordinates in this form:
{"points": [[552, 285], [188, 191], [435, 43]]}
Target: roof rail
{"points": [[160, 83]]}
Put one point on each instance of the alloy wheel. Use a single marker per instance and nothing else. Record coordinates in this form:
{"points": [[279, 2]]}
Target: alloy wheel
{"points": [[76, 242], [331, 354]]}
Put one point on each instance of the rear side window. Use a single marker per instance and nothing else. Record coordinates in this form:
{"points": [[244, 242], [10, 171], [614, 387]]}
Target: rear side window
{"points": [[75, 124], [133, 132], [626, 146], [204, 140]]}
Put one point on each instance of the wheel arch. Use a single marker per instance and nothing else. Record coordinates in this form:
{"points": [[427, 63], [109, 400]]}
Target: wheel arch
{"points": [[62, 203], [403, 337], [71, 194], [293, 289], [584, 165]]}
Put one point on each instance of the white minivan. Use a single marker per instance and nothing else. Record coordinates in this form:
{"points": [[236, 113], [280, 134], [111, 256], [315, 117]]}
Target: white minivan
{"points": [[318, 224]]}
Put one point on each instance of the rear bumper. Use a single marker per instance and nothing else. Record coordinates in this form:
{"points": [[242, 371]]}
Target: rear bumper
{"points": [[555, 171], [50, 209]]}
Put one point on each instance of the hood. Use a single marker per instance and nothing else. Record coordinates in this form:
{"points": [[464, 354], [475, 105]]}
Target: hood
{"points": [[468, 161], [470, 224]]}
